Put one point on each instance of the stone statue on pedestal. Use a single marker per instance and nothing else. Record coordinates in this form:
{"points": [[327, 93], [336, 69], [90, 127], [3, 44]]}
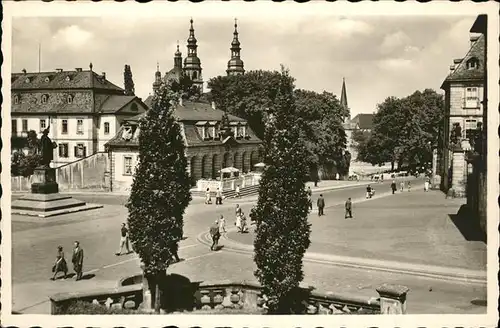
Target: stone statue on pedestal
{"points": [[47, 148]]}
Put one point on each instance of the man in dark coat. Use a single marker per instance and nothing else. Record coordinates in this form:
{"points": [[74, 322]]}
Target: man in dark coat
{"points": [[174, 248], [77, 260], [393, 186], [348, 208], [321, 205], [215, 233]]}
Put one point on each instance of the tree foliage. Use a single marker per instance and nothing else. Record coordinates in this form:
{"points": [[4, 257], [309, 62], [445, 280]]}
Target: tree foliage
{"points": [[24, 164], [282, 234], [160, 190], [405, 130], [128, 81], [250, 95]]}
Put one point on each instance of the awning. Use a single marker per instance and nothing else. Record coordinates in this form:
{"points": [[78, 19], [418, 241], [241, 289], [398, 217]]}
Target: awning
{"points": [[260, 165], [201, 123]]}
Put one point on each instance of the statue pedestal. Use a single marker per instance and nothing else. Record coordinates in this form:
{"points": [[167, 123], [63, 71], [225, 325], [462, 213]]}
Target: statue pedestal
{"points": [[44, 181]]}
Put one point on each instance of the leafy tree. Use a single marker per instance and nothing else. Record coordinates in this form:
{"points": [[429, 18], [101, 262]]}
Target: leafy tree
{"points": [[25, 164], [160, 190], [282, 235], [128, 81]]}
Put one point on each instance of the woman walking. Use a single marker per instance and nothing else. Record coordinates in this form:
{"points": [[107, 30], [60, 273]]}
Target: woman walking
{"points": [[60, 265], [222, 224], [208, 197]]}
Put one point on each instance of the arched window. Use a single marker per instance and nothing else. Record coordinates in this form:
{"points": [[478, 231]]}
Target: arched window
{"points": [[44, 99], [68, 78], [16, 99], [195, 75], [69, 99], [47, 79], [106, 127]]}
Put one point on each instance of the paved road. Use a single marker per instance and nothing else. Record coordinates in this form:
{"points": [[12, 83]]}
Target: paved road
{"points": [[35, 242]]}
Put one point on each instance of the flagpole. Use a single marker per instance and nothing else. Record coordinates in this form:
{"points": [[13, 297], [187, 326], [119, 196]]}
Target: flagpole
{"points": [[39, 56]]}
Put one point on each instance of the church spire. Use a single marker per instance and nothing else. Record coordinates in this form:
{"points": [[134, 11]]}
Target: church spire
{"points": [[178, 57], [235, 64], [192, 64], [343, 101], [157, 82]]}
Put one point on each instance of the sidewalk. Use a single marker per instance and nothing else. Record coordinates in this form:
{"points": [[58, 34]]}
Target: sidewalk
{"points": [[410, 233]]}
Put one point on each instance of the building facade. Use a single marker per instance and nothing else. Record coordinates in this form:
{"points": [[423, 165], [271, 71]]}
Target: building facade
{"points": [[464, 89], [81, 107], [208, 150]]}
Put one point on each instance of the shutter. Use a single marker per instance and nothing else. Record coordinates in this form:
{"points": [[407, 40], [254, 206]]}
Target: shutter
{"points": [[60, 151], [76, 151], [84, 151]]}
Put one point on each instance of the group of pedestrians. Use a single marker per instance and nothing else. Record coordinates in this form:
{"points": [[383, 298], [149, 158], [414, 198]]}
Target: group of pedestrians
{"points": [[61, 266], [218, 195], [401, 186]]}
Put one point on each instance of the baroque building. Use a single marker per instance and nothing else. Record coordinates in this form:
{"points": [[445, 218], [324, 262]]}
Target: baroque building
{"points": [[82, 109], [214, 140], [235, 64]]}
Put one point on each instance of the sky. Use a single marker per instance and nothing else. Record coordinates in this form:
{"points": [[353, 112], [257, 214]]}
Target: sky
{"points": [[378, 56]]}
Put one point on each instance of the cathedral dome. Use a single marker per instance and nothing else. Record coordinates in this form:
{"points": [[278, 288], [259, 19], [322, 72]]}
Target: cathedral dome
{"points": [[235, 62], [192, 60]]}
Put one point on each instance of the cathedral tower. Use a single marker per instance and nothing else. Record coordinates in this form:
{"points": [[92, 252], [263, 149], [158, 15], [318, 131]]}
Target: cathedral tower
{"points": [[178, 58], [157, 82], [235, 64], [343, 101], [192, 64]]}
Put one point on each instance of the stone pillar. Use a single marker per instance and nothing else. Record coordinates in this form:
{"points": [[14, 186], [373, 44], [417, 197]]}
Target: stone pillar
{"points": [[459, 175], [392, 299]]}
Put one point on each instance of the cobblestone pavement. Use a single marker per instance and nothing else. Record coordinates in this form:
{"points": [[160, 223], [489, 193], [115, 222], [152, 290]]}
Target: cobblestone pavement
{"points": [[35, 241]]}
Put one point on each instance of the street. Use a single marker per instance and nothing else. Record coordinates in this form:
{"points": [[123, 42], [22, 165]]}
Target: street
{"points": [[35, 242]]}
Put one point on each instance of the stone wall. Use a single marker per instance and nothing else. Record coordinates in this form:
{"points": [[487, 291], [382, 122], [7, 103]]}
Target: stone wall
{"points": [[459, 177], [230, 295], [90, 173]]}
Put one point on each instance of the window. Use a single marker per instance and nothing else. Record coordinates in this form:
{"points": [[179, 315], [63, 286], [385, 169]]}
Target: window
{"points": [[16, 99], [27, 80], [68, 78], [43, 124], [473, 63], [47, 79], [69, 99], [470, 128], [106, 127], [127, 165], [471, 98], [14, 127], [63, 150], [133, 107], [25, 126], [208, 135], [64, 127], [80, 151], [79, 126], [44, 99], [234, 129]]}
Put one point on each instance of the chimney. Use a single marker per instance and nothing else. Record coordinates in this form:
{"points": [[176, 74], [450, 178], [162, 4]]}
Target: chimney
{"points": [[78, 69], [24, 71], [452, 68], [104, 75], [473, 39], [213, 105], [59, 70], [457, 61]]}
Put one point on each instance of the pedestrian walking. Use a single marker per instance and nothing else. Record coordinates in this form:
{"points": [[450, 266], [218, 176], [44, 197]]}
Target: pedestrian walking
{"points": [[309, 197], [348, 208], [368, 192], [174, 249], [218, 197], [77, 260], [222, 224], [409, 186], [321, 205], [426, 185], [402, 186], [60, 265], [393, 187], [215, 234], [123, 240], [243, 223], [208, 197], [238, 191]]}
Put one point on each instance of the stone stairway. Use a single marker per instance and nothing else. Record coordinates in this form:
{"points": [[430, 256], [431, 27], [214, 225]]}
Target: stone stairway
{"points": [[244, 192]]}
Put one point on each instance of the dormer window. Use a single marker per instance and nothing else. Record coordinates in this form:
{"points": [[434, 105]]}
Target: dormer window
{"points": [[47, 79], [473, 63], [27, 80], [68, 78], [133, 107], [16, 99], [69, 99], [45, 98]]}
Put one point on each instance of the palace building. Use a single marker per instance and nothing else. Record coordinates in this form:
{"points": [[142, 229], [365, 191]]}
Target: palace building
{"points": [[82, 108]]}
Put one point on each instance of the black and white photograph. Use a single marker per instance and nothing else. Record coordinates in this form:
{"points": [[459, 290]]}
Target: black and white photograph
{"points": [[221, 163]]}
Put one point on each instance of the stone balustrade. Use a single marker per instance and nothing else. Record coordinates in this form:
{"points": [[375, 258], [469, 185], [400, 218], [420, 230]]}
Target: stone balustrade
{"points": [[226, 296]]}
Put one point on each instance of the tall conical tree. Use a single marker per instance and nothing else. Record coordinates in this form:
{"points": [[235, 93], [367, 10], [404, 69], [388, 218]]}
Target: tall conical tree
{"points": [[128, 81], [282, 235], [160, 190]]}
